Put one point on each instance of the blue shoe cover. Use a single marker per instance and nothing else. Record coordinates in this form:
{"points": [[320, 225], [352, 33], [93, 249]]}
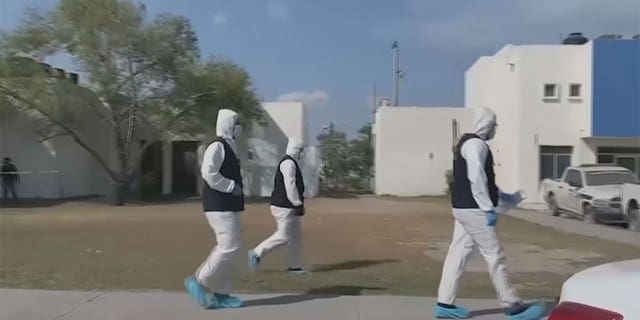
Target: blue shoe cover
{"points": [[445, 313], [227, 301], [535, 311], [254, 260], [196, 291]]}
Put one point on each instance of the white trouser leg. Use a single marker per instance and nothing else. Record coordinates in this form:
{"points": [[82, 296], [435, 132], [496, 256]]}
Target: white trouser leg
{"points": [[287, 232], [485, 237], [216, 271], [460, 248]]}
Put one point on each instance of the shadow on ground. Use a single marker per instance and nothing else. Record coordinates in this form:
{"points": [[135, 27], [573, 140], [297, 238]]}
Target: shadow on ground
{"points": [[313, 294], [350, 265], [549, 305]]}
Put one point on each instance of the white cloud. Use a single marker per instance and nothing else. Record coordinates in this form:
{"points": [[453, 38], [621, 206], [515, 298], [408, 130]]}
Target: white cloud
{"points": [[220, 18], [278, 10], [488, 25], [313, 99]]}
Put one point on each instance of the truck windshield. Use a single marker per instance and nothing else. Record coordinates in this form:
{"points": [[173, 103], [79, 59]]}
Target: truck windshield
{"points": [[610, 178]]}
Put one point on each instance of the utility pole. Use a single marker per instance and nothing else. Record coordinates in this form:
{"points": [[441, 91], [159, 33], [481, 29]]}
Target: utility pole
{"points": [[396, 71]]}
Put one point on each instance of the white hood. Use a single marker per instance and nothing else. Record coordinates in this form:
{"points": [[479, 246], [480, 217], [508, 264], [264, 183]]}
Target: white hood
{"points": [[294, 147], [226, 123], [485, 124], [609, 191]]}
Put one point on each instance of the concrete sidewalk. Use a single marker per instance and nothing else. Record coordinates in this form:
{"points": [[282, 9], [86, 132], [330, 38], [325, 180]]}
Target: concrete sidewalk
{"points": [[68, 305], [570, 225]]}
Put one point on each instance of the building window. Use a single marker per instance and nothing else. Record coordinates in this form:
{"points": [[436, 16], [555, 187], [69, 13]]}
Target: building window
{"points": [[628, 157], [575, 90], [554, 160], [551, 91]]}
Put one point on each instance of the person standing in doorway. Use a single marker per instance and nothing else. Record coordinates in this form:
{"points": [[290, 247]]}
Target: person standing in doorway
{"points": [[287, 207], [223, 202], [474, 200], [10, 179]]}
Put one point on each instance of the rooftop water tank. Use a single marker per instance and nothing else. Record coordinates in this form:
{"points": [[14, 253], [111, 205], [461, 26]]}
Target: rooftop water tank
{"points": [[576, 38]]}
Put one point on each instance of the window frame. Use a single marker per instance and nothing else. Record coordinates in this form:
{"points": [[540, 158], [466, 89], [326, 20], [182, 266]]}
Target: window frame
{"points": [[571, 96], [556, 93]]}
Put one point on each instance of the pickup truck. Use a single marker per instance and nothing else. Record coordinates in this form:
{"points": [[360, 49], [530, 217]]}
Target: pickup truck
{"points": [[589, 192], [630, 204]]}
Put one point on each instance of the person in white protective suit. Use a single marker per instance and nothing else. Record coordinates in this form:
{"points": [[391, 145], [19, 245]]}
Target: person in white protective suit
{"points": [[222, 201], [475, 198], [287, 206]]}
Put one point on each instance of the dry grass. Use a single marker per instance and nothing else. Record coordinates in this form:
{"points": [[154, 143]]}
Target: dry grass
{"points": [[354, 246]]}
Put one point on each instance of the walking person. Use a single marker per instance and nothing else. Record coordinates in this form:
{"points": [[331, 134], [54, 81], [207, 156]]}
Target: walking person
{"points": [[474, 200], [10, 179], [287, 207], [223, 202]]}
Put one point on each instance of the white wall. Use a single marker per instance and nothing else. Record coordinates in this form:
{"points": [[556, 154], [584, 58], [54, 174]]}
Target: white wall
{"points": [[53, 169], [268, 144], [511, 83], [413, 149]]}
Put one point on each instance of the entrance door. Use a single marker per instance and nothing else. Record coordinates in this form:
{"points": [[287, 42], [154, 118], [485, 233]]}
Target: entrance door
{"points": [[185, 167]]}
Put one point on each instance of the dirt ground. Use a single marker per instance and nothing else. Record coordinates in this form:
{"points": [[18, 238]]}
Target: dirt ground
{"points": [[353, 246]]}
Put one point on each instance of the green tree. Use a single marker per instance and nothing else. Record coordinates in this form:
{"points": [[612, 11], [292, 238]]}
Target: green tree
{"points": [[145, 78], [361, 159], [334, 154]]}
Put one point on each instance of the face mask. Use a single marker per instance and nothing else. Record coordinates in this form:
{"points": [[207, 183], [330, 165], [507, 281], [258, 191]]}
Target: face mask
{"points": [[237, 131]]}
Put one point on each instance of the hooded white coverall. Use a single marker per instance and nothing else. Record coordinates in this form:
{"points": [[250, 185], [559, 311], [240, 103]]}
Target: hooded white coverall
{"points": [[471, 227], [215, 272], [289, 230]]}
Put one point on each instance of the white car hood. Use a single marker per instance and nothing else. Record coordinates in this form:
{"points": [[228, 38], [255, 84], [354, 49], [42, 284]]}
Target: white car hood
{"points": [[612, 287], [606, 192]]}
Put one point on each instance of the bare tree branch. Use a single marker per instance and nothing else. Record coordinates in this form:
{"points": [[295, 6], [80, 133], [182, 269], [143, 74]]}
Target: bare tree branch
{"points": [[71, 132]]}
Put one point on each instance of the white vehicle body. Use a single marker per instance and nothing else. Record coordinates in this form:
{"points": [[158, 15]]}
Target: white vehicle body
{"points": [[630, 203], [611, 287], [590, 192]]}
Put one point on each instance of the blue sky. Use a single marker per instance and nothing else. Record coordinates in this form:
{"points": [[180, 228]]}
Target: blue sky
{"points": [[330, 53]]}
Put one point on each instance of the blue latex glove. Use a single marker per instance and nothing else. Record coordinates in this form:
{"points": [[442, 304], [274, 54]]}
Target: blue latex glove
{"points": [[492, 218], [237, 190], [512, 198]]}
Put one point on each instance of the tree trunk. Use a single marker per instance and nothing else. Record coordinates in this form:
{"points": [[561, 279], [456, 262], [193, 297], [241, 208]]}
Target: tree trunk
{"points": [[120, 193]]}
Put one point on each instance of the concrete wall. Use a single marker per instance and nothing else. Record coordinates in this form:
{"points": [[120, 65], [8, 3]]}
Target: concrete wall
{"points": [[413, 149], [268, 144], [52, 169], [511, 83]]}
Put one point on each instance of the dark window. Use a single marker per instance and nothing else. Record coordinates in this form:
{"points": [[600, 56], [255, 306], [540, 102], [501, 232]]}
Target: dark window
{"points": [[619, 150], [574, 90], [550, 90], [554, 160], [605, 158], [573, 178]]}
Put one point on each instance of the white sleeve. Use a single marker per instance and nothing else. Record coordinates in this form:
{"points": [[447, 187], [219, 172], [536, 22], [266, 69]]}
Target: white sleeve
{"points": [[288, 169], [210, 170], [475, 153]]}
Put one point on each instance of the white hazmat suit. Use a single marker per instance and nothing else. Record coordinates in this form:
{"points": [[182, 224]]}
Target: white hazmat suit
{"points": [[214, 275], [473, 229], [289, 230]]}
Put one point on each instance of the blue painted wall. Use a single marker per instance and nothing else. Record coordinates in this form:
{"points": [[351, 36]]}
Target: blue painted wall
{"points": [[616, 88]]}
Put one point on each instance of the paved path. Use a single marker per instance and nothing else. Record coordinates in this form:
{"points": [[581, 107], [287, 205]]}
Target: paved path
{"points": [[67, 305], [570, 225]]}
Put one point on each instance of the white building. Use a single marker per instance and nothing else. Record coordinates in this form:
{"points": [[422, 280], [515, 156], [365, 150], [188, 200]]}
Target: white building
{"points": [[557, 105], [60, 168]]}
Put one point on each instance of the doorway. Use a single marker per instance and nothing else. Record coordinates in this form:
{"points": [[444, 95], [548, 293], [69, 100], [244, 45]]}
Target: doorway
{"points": [[185, 167]]}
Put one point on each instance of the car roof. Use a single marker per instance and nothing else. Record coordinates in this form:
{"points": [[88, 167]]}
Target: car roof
{"points": [[605, 169]]}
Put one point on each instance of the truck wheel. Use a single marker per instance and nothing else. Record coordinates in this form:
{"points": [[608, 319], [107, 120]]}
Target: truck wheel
{"points": [[587, 214], [553, 205], [634, 218]]}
